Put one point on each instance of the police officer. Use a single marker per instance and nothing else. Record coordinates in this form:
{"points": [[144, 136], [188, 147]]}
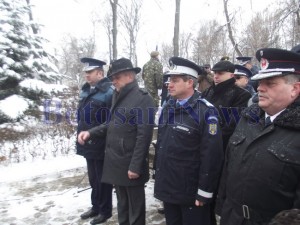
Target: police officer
{"points": [[153, 76], [95, 102], [261, 176], [246, 61], [242, 76], [189, 151]]}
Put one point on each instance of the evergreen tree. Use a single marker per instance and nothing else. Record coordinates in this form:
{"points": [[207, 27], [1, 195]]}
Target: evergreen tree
{"points": [[22, 56]]}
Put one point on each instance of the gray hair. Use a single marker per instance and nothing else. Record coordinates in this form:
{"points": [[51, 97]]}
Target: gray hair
{"points": [[292, 78]]}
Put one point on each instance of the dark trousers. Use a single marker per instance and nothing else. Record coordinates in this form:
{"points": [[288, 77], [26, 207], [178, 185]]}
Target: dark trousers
{"points": [[187, 215], [131, 205], [101, 195]]}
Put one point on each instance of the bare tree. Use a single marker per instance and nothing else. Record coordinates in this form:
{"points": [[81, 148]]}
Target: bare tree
{"points": [[114, 7], [266, 34], [107, 23], [210, 43], [166, 53], [130, 17], [176, 29], [72, 50], [287, 17], [229, 28], [184, 44]]}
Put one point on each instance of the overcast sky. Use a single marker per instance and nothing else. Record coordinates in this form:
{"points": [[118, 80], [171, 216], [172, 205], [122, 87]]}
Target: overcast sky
{"points": [[74, 17]]}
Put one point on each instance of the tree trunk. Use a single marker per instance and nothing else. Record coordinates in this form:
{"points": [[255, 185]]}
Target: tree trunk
{"points": [[33, 27], [230, 33], [114, 5], [176, 29]]}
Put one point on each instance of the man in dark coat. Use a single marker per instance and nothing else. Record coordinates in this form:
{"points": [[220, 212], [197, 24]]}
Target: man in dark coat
{"points": [[227, 97], [129, 134], [189, 152], [261, 175], [95, 102]]}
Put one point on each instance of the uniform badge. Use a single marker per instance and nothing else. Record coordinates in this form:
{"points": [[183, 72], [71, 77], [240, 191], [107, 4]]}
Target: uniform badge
{"points": [[264, 63], [212, 128]]}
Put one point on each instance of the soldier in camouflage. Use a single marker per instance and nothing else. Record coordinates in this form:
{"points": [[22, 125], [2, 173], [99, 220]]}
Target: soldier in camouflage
{"points": [[153, 76]]}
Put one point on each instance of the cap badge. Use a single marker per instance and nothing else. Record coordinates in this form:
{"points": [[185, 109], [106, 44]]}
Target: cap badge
{"points": [[173, 67], [264, 63]]}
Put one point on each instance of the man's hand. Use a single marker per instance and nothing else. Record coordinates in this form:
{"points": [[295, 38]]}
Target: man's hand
{"points": [[83, 136], [199, 203], [132, 175]]}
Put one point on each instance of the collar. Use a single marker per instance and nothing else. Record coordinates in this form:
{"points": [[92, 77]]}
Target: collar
{"points": [[183, 101], [272, 118]]}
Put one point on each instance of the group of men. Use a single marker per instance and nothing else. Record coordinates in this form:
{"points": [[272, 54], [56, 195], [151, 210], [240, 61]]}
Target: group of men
{"points": [[214, 155]]}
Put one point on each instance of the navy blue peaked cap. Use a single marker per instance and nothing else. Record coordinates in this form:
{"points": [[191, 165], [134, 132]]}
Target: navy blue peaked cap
{"points": [[121, 65], [242, 71], [243, 60], [181, 66], [277, 62], [91, 64]]}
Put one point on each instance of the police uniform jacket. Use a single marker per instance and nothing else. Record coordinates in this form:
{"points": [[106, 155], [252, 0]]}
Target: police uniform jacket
{"points": [[230, 100], [262, 170], [189, 152], [129, 134], [93, 108]]}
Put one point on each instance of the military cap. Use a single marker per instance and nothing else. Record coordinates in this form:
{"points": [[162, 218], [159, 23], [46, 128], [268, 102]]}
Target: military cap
{"points": [[91, 64], [154, 53], [243, 60], [181, 66], [225, 58], [242, 71], [121, 65], [225, 66], [276, 62]]}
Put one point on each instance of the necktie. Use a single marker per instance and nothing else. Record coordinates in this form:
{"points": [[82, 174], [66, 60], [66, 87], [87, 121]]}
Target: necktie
{"points": [[267, 121]]}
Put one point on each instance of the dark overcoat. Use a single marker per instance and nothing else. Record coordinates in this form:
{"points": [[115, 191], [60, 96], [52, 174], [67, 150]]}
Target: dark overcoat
{"points": [[261, 176], [93, 108], [129, 134], [230, 100]]}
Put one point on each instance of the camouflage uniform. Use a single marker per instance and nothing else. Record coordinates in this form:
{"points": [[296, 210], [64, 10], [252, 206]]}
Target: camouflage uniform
{"points": [[153, 78]]}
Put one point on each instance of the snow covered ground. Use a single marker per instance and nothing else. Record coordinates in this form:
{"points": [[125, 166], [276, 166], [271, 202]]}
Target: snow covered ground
{"points": [[52, 192]]}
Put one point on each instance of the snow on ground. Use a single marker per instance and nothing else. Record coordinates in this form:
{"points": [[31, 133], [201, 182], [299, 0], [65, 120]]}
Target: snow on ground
{"points": [[52, 192]]}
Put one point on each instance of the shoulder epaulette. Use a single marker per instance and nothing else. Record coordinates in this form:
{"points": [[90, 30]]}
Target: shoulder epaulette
{"points": [[207, 103]]}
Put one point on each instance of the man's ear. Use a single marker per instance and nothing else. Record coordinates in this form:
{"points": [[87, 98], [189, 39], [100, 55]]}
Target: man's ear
{"points": [[296, 90]]}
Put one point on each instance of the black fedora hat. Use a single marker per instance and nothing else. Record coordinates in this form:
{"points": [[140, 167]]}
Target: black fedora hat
{"points": [[121, 65]]}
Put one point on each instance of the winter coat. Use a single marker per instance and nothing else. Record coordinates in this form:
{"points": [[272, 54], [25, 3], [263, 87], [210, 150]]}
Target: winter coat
{"points": [[261, 176], [93, 108], [189, 152], [129, 134], [230, 100]]}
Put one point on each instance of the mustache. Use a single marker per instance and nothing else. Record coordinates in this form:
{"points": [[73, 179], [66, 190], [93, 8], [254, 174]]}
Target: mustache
{"points": [[261, 95]]}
